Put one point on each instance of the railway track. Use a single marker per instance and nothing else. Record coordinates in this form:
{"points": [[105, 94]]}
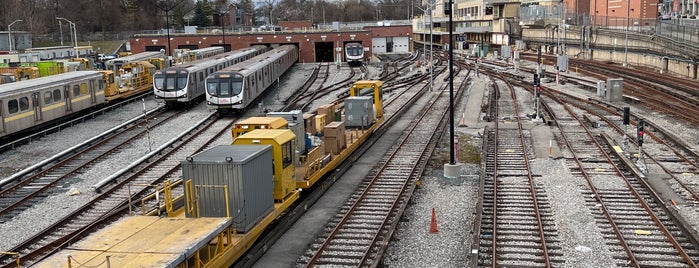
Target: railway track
{"points": [[359, 234], [638, 227], [516, 226], [663, 152], [28, 191], [654, 90], [135, 184]]}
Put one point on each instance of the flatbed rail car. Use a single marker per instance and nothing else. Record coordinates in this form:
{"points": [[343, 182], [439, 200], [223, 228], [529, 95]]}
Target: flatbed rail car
{"points": [[231, 196], [236, 87], [185, 83], [30, 103]]}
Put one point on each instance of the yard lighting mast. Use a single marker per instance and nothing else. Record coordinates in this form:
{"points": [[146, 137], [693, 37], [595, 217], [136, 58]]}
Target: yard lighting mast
{"points": [[9, 34], [75, 34]]}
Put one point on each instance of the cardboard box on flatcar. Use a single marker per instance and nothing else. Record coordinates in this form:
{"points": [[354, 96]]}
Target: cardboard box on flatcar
{"points": [[310, 122], [334, 129], [320, 123]]}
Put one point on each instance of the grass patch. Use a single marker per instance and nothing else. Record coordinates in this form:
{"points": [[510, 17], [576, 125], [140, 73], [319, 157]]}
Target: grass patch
{"points": [[468, 152]]}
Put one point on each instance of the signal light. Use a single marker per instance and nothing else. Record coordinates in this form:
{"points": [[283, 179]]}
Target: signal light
{"points": [[538, 90], [627, 112], [640, 133], [536, 79]]}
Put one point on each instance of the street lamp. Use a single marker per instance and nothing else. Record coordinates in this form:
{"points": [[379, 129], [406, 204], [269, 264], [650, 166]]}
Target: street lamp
{"points": [[75, 35], [9, 33]]}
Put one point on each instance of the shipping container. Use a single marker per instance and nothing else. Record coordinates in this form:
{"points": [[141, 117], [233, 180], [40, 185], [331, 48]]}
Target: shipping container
{"points": [[240, 175], [359, 111]]}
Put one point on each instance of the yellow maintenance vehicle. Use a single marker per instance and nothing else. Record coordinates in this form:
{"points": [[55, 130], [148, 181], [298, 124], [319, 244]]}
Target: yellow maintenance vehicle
{"points": [[133, 78]]}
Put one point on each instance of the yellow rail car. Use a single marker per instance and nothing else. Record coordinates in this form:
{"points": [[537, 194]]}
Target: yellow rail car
{"points": [[258, 122], [231, 196], [133, 78]]}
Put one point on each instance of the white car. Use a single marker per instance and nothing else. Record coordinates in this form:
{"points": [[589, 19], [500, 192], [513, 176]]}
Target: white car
{"points": [[104, 57]]}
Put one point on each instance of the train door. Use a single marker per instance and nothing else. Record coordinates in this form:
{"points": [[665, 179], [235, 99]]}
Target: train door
{"points": [[93, 94], [66, 93], [36, 106]]}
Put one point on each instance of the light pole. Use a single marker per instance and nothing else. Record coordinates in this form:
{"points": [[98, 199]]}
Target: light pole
{"points": [[452, 158], [626, 33], [9, 34], [222, 14], [75, 34], [165, 5], [429, 10]]}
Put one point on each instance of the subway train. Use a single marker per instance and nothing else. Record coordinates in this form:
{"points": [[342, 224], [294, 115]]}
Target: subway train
{"points": [[30, 103], [354, 53], [234, 88], [184, 83]]}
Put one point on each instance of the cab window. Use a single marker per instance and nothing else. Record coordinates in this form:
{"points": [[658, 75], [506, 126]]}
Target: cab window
{"points": [[287, 154]]}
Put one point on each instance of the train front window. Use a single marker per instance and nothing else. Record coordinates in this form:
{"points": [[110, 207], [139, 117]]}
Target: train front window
{"points": [[181, 81], [224, 89], [170, 83], [354, 51], [158, 82], [237, 87], [211, 88]]}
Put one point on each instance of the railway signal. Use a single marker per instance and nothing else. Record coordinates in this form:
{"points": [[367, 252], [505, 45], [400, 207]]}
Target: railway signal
{"points": [[537, 80], [640, 133], [627, 115]]}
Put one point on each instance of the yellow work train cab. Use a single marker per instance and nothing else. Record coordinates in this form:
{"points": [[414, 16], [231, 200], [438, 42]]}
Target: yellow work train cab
{"points": [[283, 142], [259, 122]]}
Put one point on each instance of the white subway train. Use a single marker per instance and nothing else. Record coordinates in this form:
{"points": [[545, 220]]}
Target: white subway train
{"points": [[354, 53], [184, 83], [236, 87]]}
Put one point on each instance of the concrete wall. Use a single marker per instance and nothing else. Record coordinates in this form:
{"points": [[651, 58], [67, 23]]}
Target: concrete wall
{"points": [[604, 45]]}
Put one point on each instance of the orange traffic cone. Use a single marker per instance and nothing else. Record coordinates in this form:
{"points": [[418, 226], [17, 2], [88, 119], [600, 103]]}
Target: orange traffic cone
{"points": [[463, 120], [433, 226]]}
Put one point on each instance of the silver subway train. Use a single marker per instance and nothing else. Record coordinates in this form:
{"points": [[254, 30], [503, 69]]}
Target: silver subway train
{"points": [[236, 87], [185, 83], [30, 103], [354, 53]]}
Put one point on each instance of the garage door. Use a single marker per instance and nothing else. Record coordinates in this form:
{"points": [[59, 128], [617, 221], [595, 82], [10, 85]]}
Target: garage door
{"points": [[401, 44], [378, 45]]}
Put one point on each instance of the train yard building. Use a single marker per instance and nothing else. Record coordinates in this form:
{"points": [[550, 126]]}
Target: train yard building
{"points": [[314, 46]]}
